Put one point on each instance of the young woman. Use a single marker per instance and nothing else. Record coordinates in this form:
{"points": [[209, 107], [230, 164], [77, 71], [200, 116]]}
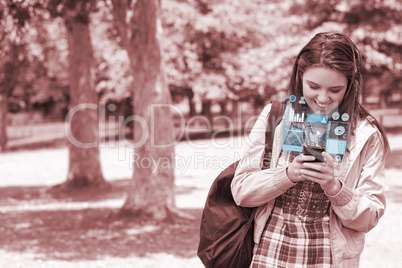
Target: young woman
{"points": [[315, 214]]}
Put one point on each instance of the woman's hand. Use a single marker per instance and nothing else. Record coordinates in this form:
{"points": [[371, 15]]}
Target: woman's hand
{"points": [[294, 170], [322, 173]]}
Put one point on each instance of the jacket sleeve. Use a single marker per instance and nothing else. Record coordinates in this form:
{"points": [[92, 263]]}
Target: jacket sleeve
{"points": [[252, 186], [361, 208]]}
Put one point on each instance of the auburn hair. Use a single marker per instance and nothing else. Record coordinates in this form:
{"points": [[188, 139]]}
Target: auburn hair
{"points": [[336, 51]]}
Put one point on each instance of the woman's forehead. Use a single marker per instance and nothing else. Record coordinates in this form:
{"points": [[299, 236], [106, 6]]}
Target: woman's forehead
{"points": [[325, 76]]}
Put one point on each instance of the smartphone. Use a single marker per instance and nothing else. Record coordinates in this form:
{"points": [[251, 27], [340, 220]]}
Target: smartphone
{"points": [[314, 151]]}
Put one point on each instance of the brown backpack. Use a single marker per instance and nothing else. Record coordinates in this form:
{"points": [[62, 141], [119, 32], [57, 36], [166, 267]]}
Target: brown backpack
{"points": [[226, 231]]}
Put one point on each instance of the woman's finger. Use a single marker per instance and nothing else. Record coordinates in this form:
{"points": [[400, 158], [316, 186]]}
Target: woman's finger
{"points": [[311, 173], [311, 178], [315, 166], [328, 158], [305, 158]]}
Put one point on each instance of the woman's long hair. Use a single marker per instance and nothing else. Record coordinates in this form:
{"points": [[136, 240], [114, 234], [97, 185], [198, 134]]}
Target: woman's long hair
{"points": [[335, 51]]}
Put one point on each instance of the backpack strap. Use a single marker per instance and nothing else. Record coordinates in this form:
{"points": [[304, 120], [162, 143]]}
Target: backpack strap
{"points": [[274, 118]]}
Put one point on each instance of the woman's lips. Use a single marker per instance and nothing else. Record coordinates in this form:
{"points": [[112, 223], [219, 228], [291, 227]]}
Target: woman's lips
{"points": [[321, 105]]}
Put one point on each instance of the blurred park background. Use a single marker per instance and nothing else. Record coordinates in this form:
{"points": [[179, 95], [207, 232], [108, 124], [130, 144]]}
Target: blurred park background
{"points": [[214, 64]]}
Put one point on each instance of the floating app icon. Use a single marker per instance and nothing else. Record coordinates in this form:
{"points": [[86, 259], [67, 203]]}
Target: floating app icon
{"points": [[292, 98], [339, 130], [302, 101], [345, 117], [338, 158], [335, 116], [317, 118]]}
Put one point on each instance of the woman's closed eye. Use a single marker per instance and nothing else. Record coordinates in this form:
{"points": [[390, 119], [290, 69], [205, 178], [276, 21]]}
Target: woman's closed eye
{"points": [[313, 86], [336, 90]]}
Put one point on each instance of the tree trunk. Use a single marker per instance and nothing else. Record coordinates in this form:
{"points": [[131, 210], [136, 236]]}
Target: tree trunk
{"points": [[84, 163], [192, 107], [152, 190], [223, 108], [9, 78], [236, 106], [191, 103], [206, 109], [3, 122]]}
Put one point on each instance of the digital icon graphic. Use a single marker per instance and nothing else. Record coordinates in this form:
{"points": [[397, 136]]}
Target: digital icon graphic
{"points": [[311, 133], [339, 130], [335, 116]]}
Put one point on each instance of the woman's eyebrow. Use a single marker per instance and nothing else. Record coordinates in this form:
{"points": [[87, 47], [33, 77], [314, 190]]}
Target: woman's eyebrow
{"points": [[334, 87], [311, 82]]}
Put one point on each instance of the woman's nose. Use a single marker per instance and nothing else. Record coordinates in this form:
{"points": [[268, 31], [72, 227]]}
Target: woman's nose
{"points": [[323, 96]]}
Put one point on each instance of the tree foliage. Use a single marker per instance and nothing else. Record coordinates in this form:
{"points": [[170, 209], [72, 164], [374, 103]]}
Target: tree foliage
{"points": [[114, 80], [230, 46], [252, 46], [43, 73], [12, 59], [212, 49], [375, 26]]}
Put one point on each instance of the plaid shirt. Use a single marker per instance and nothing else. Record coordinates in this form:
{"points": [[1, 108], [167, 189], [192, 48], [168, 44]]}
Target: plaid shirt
{"points": [[297, 232]]}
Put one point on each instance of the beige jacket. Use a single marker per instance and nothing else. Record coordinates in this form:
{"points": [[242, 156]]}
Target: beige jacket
{"points": [[355, 210]]}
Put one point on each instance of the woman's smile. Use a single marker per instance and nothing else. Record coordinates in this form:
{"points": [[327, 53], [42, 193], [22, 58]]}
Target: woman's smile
{"points": [[321, 105]]}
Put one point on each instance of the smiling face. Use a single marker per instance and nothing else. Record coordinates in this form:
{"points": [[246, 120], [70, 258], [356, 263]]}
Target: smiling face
{"points": [[323, 89]]}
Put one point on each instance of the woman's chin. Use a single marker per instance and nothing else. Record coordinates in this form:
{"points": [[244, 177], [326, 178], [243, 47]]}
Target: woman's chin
{"points": [[325, 111], [317, 110]]}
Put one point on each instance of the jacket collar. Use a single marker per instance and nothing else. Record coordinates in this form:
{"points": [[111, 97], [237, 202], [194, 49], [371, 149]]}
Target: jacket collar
{"points": [[363, 132]]}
